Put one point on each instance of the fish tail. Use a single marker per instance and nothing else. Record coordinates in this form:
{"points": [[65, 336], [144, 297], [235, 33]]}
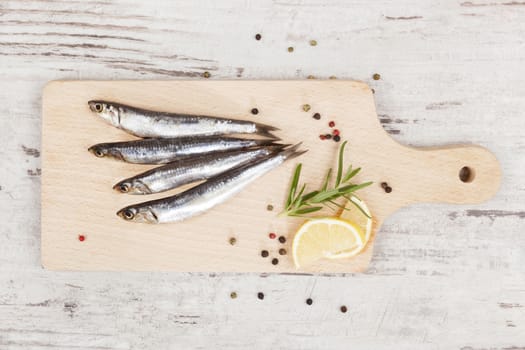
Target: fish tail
{"points": [[292, 152], [265, 142], [266, 131], [276, 147]]}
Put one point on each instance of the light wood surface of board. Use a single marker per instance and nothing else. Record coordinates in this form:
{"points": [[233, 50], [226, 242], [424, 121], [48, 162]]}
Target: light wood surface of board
{"points": [[77, 195]]}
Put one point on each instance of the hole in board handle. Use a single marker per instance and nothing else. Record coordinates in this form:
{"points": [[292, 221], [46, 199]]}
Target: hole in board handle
{"points": [[466, 174]]}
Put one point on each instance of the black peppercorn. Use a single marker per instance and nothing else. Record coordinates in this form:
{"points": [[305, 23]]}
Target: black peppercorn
{"points": [[384, 184], [257, 36], [309, 301], [337, 138], [388, 189], [275, 261], [282, 251], [327, 136], [317, 116], [282, 239], [343, 309], [264, 253], [255, 111], [260, 295]]}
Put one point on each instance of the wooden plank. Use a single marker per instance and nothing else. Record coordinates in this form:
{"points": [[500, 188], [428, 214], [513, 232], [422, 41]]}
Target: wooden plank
{"points": [[76, 186]]}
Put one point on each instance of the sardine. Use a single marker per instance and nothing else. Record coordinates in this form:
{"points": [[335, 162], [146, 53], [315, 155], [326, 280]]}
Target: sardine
{"points": [[203, 197], [162, 151], [190, 170], [145, 123]]}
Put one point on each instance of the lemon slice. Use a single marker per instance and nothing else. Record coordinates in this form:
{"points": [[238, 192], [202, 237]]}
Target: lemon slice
{"points": [[330, 238], [355, 216]]}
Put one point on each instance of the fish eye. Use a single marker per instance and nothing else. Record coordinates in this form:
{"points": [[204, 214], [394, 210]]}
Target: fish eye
{"points": [[123, 188], [99, 153], [128, 214], [98, 107]]}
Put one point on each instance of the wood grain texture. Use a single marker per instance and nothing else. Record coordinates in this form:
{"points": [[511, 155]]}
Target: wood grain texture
{"points": [[441, 276], [76, 186]]}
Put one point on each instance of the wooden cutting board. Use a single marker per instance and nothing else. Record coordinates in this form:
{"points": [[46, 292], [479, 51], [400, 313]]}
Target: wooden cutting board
{"points": [[77, 195]]}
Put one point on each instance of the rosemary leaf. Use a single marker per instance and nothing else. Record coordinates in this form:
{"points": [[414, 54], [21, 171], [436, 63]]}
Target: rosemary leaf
{"points": [[299, 204], [358, 207], [328, 176], [322, 196], [309, 196], [293, 186], [298, 199], [351, 174], [353, 188], [338, 205], [307, 210], [340, 164]]}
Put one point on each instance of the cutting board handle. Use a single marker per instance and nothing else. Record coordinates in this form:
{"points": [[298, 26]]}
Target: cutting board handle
{"points": [[456, 174]]}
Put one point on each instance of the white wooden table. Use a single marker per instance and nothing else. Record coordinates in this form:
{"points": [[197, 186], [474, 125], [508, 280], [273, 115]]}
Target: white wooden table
{"points": [[442, 277]]}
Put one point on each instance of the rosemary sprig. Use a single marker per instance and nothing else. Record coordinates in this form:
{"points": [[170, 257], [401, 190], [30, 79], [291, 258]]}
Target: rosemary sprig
{"points": [[300, 203]]}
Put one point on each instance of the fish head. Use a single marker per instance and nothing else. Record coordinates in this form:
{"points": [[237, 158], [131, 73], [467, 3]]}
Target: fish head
{"points": [[107, 111], [101, 151], [132, 186], [138, 214]]}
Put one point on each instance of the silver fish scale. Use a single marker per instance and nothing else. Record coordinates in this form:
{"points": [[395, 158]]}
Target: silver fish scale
{"points": [[161, 151], [146, 123], [203, 197], [190, 170]]}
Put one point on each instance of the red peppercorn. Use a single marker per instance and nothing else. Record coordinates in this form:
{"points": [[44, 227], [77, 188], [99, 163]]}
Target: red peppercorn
{"points": [[322, 137], [81, 238], [335, 132], [272, 235], [331, 124]]}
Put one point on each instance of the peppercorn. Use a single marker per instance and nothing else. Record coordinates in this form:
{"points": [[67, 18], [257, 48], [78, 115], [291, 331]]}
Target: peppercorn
{"points": [[290, 49], [317, 116], [255, 111], [384, 185], [260, 295], [331, 124], [313, 43], [306, 107], [272, 235], [275, 261], [269, 207], [81, 238], [322, 137], [343, 309], [282, 239], [264, 253], [233, 295], [388, 189], [309, 301], [233, 240], [257, 36], [336, 132], [376, 76], [337, 138], [327, 136], [282, 251], [206, 75]]}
